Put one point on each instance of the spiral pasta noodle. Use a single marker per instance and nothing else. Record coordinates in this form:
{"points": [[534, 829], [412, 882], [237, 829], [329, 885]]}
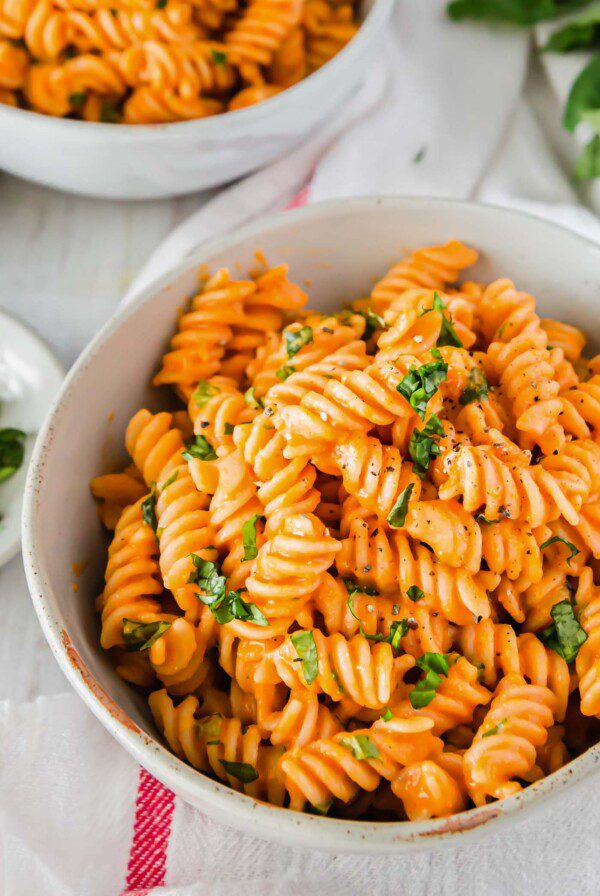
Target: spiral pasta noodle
{"points": [[355, 568], [141, 62]]}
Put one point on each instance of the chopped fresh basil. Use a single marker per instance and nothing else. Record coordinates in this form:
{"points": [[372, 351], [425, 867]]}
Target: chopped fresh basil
{"points": [[476, 388], [434, 665], [304, 643], [207, 576], [447, 332], [160, 4], [240, 770], [294, 341], [12, 452], [557, 538], [200, 448], [565, 635], [283, 372], [149, 508], [251, 400], [421, 383], [249, 537], [517, 12], [170, 480], [204, 392], [482, 519], [218, 57], [387, 715], [373, 322], [228, 429], [352, 587], [415, 593], [77, 99], [361, 746], [398, 512], [423, 446], [322, 808], [139, 636], [109, 113], [398, 629], [495, 729], [209, 729]]}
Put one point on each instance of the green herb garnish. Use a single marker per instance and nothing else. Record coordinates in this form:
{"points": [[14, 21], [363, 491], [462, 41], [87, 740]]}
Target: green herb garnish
{"points": [[565, 635], [109, 114], [476, 388], [495, 729], [77, 99], [517, 12], [283, 372], [352, 587], [149, 508], [373, 322], [139, 636], [421, 383], [204, 392], [423, 447], [434, 665], [398, 512], [447, 332], [218, 57], [249, 537], [398, 629], [240, 770], [388, 715], [295, 341], [304, 643], [199, 448], [557, 538], [415, 593], [361, 746]]}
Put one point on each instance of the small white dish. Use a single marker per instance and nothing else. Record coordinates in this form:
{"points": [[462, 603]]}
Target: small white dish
{"points": [[115, 161], [30, 377], [341, 247]]}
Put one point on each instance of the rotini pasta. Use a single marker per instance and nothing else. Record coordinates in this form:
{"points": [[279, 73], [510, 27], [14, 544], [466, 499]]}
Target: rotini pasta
{"points": [[356, 570], [141, 62]]}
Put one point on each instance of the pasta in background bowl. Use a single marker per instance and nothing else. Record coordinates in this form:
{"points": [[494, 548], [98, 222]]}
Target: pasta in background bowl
{"points": [[281, 68], [392, 632]]}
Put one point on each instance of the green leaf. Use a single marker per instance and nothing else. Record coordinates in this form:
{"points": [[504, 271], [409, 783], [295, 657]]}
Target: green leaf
{"points": [[415, 593], [421, 383], [579, 33], [233, 606], [209, 729], [218, 57], [204, 392], [482, 519], [352, 587], [228, 429], [398, 629], [361, 746], [240, 770], [249, 537], [295, 341], [476, 388], [423, 446], [398, 512], [12, 451], [584, 95], [587, 166], [251, 400], [434, 665], [304, 642], [200, 448], [517, 12], [77, 99], [557, 538], [495, 729], [170, 480], [285, 371], [448, 334], [322, 808], [373, 322], [149, 508], [139, 636], [387, 715], [566, 635], [207, 576], [109, 113]]}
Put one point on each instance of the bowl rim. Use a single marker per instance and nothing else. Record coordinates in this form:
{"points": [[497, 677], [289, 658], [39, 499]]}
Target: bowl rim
{"points": [[229, 806], [206, 127]]}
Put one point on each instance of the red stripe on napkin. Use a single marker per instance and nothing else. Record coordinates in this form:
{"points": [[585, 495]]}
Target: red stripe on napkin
{"points": [[147, 863]]}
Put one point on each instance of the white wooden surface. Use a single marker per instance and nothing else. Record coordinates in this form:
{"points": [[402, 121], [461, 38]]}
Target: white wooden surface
{"points": [[64, 263]]}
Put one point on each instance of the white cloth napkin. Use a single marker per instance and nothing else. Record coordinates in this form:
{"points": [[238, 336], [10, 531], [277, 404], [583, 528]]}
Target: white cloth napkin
{"points": [[450, 113]]}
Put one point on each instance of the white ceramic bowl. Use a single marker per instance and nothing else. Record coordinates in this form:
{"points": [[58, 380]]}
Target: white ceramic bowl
{"points": [[154, 161], [341, 247]]}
